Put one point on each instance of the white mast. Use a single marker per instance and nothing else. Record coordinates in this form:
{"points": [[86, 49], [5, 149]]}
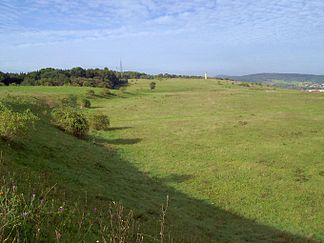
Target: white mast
{"points": [[121, 68]]}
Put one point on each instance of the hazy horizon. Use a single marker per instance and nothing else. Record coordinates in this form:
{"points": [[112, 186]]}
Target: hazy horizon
{"points": [[156, 73], [224, 37]]}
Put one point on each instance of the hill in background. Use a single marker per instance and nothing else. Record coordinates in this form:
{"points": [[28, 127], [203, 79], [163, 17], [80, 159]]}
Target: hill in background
{"points": [[292, 80]]}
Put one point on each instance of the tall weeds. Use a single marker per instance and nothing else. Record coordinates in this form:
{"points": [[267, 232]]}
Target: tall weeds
{"points": [[164, 210], [38, 217]]}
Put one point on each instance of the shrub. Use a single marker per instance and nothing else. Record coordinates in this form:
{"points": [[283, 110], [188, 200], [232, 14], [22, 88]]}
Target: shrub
{"points": [[100, 121], [105, 92], [69, 101], [85, 103], [244, 84], [90, 93], [152, 85], [123, 89], [242, 123], [87, 83], [15, 124], [71, 121]]}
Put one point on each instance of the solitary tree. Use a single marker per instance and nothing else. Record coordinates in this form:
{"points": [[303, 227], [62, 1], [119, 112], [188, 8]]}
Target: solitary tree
{"points": [[152, 85]]}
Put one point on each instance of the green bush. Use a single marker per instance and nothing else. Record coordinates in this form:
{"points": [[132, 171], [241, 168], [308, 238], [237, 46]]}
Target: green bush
{"points": [[123, 89], [85, 103], [69, 101], [90, 93], [71, 121], [245, 85], [15, 124], [152, 85], [100, 121], [105, 92], [87, 83]]}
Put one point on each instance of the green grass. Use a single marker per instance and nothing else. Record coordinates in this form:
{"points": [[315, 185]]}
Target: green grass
{"points": [[45, 90], [239, 164], [284, 83]]}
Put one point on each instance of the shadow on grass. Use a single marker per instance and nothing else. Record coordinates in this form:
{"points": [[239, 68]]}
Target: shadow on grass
{"points": [[105, 96], [129, 94], [174, 178], [118, 128], [121, 141], [80, 167]]}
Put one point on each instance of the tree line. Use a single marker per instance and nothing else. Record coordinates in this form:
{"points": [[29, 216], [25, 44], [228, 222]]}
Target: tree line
{"points": [[79, 77], [58, 77], [138, 75]]}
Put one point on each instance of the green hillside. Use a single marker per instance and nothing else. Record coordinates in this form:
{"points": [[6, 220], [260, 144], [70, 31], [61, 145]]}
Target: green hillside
{"points": [[238, 163], [287, 77]]}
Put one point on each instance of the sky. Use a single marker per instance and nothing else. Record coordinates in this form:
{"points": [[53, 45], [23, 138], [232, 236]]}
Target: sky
{"points": [[231, 37]]}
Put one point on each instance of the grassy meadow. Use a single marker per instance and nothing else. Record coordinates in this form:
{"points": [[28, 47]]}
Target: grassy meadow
{"points": [[238, 163]]}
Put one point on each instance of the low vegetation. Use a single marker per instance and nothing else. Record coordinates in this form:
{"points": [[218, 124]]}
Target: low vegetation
{"points": [[38, 217]]}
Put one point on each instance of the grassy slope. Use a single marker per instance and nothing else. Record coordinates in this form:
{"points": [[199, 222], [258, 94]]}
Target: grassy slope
{"points": [[238, 163]]}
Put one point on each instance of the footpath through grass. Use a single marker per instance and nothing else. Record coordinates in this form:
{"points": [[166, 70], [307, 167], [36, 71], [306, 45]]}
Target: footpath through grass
{"points": [[239, 163]]}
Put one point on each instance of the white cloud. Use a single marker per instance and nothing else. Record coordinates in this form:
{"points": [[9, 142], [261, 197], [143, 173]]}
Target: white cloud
{"points": [[46, 21]]}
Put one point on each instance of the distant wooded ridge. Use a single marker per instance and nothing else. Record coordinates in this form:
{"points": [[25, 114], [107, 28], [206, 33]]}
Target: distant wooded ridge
{"points": [[269, 77], [79, 77], [95, 77]]}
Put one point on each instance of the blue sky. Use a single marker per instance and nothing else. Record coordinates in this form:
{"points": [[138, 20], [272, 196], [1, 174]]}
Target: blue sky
{"points": [[175, 36]]}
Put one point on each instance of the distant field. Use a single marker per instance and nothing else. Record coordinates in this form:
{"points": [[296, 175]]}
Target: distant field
{"points": [[239, 163]]}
